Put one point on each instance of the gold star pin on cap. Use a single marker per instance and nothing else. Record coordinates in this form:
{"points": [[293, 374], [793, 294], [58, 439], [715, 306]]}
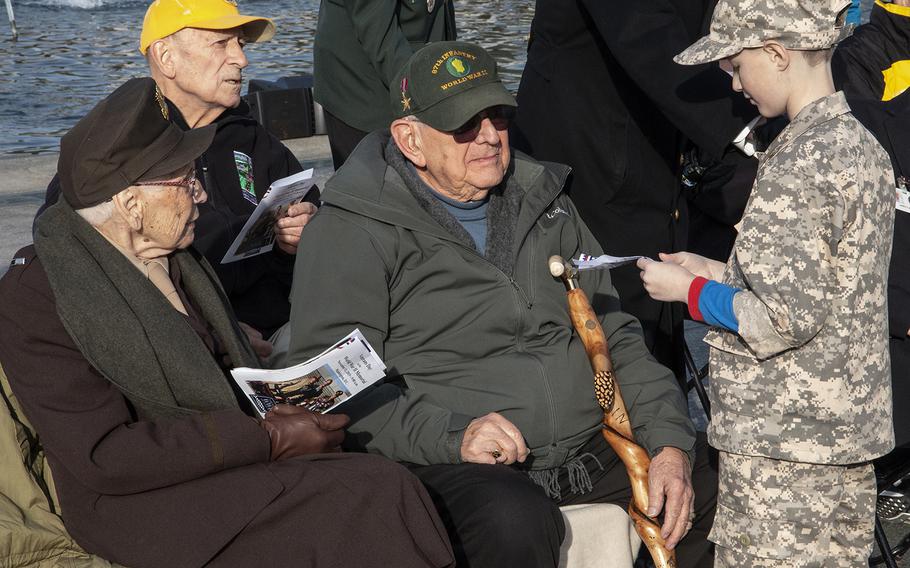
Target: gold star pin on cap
{"points": [[161, 104]]}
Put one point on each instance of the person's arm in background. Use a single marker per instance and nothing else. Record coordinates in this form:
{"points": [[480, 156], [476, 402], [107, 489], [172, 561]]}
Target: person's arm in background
{"points": [[644, 37], [899, 279], [379, 33]]}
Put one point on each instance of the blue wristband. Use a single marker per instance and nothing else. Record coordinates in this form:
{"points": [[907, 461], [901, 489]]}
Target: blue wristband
{"points": [[716, 305]]}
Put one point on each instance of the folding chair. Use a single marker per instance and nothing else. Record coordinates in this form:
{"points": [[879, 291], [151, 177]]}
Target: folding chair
{"points": [[890, 471]]}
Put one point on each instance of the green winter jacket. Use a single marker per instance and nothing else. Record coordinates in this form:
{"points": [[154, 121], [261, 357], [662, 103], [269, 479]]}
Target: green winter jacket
{"points": [[361, 44], [460, 337]]}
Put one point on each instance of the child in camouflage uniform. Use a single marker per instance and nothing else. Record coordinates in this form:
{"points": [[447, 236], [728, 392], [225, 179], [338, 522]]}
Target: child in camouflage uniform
{"points": [[800, 374]]}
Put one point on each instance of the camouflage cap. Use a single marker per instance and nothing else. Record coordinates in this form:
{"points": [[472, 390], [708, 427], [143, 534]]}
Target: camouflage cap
{"points": [[446, 83], [741, 24]]}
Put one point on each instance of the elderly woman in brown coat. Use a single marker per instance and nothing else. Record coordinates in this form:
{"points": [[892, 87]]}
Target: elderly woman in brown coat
{"points": [[113, 334]]}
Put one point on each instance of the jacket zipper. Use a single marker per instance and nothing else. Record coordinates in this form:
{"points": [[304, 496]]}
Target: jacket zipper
{"points": [[522, 298]]}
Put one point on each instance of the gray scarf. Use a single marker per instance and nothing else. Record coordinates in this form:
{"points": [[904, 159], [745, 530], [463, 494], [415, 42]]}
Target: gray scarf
{"points": [[502, 212], [128, 331]]}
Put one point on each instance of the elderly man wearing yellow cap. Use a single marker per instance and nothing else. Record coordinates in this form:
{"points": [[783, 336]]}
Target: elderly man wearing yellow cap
{"points": [[195, 53]]}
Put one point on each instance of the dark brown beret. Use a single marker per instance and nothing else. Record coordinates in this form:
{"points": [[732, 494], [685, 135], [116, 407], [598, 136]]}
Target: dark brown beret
{"points": [[125, 138]]}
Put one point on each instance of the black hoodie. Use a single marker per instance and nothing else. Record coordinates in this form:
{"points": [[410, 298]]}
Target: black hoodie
{"points": [[860, 60]]}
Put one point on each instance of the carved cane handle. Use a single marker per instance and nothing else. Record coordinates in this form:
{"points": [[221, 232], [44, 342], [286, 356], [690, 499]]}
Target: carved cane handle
{"points": [[616, 427]]}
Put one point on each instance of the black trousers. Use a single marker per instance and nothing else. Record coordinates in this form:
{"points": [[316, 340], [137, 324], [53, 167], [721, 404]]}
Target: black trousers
{"points": [[900, 388], [497, 517], [343, 138]]}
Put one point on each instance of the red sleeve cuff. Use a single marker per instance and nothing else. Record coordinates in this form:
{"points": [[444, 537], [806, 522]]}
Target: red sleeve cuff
{"points": [[694, 292]]}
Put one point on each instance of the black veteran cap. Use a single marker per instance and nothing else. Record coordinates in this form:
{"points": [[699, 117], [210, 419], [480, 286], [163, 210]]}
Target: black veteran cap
{"points": [[446, 83], [127, 137]]}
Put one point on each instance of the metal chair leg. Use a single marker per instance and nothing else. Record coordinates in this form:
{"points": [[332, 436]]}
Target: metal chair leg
{"points": [[882, 540], [695, 381]]}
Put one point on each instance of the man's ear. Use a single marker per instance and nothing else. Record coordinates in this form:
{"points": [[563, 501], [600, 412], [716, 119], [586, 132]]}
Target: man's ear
{"points": [[407, 137], [161, 55], [779, 55], [130, 206]]}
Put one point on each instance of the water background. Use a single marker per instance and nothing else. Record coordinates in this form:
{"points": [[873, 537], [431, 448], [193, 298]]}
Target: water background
{"points": [[71, 53]]}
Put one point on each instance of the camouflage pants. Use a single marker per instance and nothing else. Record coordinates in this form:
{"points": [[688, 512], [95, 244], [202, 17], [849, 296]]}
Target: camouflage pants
{"points": [[773, 513]]}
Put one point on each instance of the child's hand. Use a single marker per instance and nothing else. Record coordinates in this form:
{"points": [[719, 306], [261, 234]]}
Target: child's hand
{"points": [[665, 281], [697, 265]]}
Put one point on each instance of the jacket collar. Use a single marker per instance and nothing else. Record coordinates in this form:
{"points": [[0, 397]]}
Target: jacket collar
{"points": [[238, 113], [813, 114]]}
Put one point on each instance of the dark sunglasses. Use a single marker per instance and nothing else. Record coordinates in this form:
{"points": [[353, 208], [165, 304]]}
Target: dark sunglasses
{"points": [[501, 116]]}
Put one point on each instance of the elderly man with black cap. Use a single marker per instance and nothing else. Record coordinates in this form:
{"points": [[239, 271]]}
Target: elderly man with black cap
{"points": [[113, 335], [438, 237], [195, 52]]}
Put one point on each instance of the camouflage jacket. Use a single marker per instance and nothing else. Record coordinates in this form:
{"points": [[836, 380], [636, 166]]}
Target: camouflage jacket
{"points": [[808, 378]]}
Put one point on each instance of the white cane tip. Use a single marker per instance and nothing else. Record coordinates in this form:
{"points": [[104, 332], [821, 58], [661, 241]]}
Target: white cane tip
{"points": [[557, 265]]}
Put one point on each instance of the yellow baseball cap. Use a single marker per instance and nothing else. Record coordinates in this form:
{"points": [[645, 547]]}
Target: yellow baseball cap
{"points": [[165, 17]]}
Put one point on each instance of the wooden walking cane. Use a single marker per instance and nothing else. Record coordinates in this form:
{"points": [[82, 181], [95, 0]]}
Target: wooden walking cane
{"points": [[616, 427]]}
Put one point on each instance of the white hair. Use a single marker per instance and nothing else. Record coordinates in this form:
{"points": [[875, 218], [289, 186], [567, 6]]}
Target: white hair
{"points": [[99, 214]]}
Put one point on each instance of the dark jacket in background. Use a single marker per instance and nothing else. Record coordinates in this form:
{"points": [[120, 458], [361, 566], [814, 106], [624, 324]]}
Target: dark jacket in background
{"points": [[860, 61], [257, 287], [361, 44], [601, 93]]}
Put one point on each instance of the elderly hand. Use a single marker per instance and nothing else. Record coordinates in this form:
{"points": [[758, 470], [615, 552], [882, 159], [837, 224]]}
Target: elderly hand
{"points": [[295, 431], [665, 281], [670, 489], [289, 227], [492, 435]]}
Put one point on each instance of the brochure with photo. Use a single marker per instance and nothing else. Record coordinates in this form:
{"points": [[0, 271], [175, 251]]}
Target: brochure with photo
{"points": [[258, 235], [320, 384]]}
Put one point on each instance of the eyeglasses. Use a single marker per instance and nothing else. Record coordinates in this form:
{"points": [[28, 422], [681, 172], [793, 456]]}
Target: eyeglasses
{"points": [[190, 184], [501, 116]]}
